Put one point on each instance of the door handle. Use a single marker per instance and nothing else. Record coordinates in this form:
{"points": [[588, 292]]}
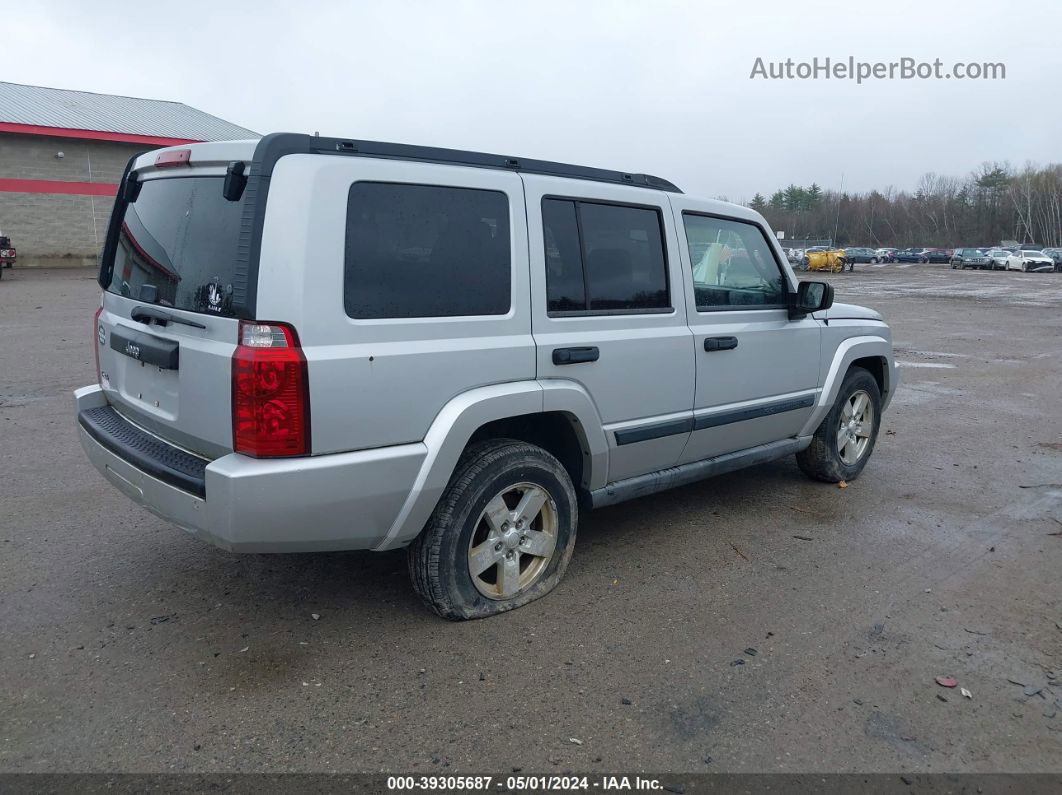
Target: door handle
{"points": [[576, 355], [720, 343]]}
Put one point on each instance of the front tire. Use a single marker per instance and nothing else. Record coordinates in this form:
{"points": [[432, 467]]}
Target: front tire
{"points": [[502, 534], [845, 439]]}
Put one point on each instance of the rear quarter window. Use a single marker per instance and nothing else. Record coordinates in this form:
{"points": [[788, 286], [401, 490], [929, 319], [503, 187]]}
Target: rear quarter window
{"points": [[426, 251]]}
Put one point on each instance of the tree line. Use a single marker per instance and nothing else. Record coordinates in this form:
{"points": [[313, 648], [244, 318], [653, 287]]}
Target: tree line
{"points": [[993, 204]]}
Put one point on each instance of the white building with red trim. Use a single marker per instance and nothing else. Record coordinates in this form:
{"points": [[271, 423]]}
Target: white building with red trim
{"points": [[62, 154]]}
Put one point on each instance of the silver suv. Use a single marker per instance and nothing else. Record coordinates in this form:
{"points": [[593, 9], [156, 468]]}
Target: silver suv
{"points": [[309, 343]]}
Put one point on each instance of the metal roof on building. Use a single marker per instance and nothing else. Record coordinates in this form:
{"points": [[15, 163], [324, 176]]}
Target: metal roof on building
{"points": [[83, 110]]}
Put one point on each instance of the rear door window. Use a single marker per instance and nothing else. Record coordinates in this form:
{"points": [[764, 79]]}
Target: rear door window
{"points": [[426, 251], [603, 258], [180, 237]]}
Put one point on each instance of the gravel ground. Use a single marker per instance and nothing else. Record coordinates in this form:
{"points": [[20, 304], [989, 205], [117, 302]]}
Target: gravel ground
{"points": [[129, 646]]}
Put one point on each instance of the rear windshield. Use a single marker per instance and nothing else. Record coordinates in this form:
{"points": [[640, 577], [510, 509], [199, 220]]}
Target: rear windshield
{"points": [[179, 236]]}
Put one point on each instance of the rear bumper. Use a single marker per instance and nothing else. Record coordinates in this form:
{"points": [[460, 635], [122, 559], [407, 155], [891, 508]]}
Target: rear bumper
{"points": [[317, 503]]}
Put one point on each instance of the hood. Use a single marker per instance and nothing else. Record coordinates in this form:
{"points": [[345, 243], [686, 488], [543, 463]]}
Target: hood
{"points": [[851, 312]]}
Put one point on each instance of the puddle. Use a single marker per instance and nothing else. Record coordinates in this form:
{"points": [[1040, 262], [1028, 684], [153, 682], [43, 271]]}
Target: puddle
{"points": [[930, 365]]}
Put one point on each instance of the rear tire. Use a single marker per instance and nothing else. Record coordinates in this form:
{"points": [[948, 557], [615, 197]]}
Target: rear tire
{"points": [[478, 523], [825, 459]]}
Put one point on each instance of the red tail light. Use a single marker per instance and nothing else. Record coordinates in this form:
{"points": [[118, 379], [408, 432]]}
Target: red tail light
{"points": [[270, 392], [96, 341]]}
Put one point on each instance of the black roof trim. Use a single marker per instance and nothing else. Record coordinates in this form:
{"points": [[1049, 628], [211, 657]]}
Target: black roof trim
{"points": [[274, 146]]}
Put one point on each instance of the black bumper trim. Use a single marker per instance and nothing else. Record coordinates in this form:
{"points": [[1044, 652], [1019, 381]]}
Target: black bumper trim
{"points": [[145, 452]]}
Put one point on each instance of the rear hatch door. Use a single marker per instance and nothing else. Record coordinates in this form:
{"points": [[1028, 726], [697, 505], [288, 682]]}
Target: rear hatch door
{"points": [[167, 330]]}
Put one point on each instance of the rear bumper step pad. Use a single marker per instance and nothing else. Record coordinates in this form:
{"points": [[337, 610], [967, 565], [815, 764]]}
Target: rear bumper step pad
{"points": [[144, 451]]}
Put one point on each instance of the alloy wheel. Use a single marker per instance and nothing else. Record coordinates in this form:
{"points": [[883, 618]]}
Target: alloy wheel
{"points": [[855, 428], [513, 541]]}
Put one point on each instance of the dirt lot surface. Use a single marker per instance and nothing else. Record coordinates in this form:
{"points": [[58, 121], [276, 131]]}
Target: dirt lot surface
{"points": [[129, 646]]}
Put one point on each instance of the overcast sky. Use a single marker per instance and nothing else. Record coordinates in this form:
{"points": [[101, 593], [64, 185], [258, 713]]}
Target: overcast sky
{"points": [[657, 87]]}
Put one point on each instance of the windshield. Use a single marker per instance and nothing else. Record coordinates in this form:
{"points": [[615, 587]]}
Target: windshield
{"points": [[179, 236]]}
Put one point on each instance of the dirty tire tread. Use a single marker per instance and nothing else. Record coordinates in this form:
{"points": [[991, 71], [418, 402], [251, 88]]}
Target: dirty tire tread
{"points": [[426, 556], [820, 460]]}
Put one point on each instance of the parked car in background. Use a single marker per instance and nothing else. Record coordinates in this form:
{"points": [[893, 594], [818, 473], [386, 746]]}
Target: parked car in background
{"points": [[964, 258], [998, 256], [887, 254], [939, 255], [1056, 255], [7, 252], [911, 255], [1025, 260], [853, 255]]}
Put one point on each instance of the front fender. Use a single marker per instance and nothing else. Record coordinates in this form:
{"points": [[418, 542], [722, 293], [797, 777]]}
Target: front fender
{"points": [[848, 351], [454, 425]]}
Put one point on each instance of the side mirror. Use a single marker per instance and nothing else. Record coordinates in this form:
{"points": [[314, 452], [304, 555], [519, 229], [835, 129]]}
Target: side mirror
{"points": [[810, 297]]}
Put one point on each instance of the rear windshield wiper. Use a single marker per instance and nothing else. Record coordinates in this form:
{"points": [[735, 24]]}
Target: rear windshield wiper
{"points": [[144, 314]]}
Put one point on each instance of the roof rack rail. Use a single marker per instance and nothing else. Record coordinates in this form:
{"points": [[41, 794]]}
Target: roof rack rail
{"points": [[274, 146]]}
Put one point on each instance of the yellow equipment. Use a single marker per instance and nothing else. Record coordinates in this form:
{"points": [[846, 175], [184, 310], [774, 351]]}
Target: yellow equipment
{"points": [[833, 261]]}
